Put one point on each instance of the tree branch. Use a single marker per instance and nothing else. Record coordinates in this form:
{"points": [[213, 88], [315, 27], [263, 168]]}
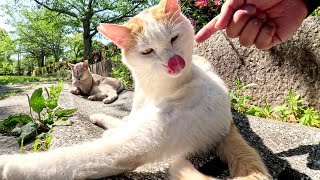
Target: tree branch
{"points": [[57, 10], [94, 33], [90, 4]]}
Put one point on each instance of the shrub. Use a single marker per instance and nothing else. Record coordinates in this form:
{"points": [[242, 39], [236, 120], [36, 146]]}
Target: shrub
{"points": [[55, 67], [316, 12], [103, 53], [200, 12]]}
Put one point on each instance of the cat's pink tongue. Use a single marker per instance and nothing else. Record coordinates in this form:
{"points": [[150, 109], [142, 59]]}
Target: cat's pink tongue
{"points": [[176, 64]]}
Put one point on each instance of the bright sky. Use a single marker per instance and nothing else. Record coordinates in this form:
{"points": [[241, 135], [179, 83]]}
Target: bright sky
{"points": [[8, 28], [3, 19]]}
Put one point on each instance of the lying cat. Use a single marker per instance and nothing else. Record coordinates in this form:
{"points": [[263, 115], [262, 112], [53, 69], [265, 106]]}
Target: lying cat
{"points": [[180, 107], [105, 89]]}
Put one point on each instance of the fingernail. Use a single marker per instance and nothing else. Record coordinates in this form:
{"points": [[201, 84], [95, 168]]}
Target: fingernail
{"points": [[251, 10]]}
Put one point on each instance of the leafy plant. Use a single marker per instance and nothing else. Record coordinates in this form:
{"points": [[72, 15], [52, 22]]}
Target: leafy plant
{"points": [[43, 141], [121, 72], [200, 12], [281, 112], [291, 111], [28, 128], [310, 117], [265, 112], [238, 99], [316, 12]]}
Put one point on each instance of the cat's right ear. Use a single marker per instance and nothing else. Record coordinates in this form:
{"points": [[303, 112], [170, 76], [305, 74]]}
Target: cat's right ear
{"points": [[117, 33], [85, 64], [170, 6], [70, 65]]}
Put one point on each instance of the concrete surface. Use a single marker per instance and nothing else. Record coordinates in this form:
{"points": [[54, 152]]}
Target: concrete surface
{"points": [[293, 64], [290, 151]]}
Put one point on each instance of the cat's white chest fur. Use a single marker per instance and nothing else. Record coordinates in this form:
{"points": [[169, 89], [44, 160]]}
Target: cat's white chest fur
{"points": [[192, 118]]}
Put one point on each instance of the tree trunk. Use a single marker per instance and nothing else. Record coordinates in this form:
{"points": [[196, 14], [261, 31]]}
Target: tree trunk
{"points": [[41, 61], [87, 38]]}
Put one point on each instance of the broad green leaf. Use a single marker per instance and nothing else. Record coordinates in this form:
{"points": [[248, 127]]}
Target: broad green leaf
{"points": [[28, 131], [65, 112], [16, 130], [51, 103], [13, 120], [37, 101]]}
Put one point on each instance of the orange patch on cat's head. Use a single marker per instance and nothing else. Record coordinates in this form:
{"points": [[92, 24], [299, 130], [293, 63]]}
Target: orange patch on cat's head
{"points": [[125, 36], [136, 26]]}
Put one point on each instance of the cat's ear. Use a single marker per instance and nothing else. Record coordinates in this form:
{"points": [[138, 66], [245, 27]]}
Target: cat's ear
{"points": [[170, 6], [70, 65], [85, 64], [117, 33]]}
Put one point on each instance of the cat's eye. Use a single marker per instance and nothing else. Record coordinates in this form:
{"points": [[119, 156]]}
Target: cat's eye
{"points": [[147, 51], [174, 38]]}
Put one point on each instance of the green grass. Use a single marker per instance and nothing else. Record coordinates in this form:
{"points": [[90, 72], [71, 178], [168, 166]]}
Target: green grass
{"points": [[13, 93], [10, 80]]}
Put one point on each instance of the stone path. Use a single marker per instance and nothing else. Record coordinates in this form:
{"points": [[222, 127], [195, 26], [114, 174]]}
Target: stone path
{"points": [[291, 151]]}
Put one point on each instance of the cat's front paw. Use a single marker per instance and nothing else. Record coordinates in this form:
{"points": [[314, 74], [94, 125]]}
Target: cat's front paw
{"points": [[75, 91], [6, 164], [96, 118], [109, 99], [92, 98]]}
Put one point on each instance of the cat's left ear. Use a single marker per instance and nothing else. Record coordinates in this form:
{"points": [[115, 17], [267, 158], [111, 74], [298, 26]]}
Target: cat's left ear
{"points": [[85, 64], [170, 5], [117, 33]]}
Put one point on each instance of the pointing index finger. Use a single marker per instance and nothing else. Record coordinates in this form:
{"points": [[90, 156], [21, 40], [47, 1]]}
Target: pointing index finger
{"points": [[207, 30]]}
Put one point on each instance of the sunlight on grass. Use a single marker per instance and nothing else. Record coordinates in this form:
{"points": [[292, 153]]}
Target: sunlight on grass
{"points": [[11, 80]]}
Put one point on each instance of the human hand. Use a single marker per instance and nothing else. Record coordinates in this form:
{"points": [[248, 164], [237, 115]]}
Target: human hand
{"points": [[260, 23]]}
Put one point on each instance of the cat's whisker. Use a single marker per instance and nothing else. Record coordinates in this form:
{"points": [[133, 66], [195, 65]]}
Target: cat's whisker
{"points": [[174, 14], [141, 78], [151, 77], [179, 25]]}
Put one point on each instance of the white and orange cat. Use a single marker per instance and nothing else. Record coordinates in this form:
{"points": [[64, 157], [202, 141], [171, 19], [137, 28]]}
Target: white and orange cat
{"points": [[180, 107]]}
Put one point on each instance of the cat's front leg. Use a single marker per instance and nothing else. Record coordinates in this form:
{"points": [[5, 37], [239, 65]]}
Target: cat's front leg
{"points": [[123, 150], [75, 91]]}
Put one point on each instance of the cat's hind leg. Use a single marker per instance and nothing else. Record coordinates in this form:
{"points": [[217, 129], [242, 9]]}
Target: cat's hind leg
{"points": [[243, 160]]}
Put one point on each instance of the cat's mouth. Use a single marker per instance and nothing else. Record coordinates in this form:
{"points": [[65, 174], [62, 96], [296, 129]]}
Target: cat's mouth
{"points": [[176, 64]]}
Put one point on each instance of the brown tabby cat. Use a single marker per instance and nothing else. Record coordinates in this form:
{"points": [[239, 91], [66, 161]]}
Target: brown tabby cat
{"points": [[105, 89]]}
